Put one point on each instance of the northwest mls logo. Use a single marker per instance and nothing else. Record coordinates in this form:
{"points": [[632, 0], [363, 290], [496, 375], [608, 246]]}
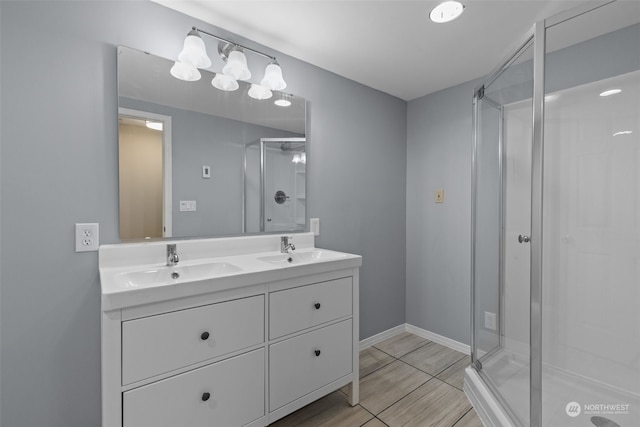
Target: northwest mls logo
{"points": [[573, 409]]}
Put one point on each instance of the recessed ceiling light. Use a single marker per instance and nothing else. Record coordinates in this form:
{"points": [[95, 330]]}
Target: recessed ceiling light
{"points": [[154, 125], [623, 132], [610, 92], [282, 102], [447, 11]]}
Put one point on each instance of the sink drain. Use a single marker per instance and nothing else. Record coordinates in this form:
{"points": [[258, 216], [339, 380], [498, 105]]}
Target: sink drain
{"points": [[604, 422]]}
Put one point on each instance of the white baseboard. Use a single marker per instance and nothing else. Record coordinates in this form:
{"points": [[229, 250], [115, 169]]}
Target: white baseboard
{"points": [[405, 327], [442, 340], [375, 339]]}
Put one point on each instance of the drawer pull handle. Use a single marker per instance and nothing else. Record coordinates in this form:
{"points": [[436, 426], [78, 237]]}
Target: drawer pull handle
{"points": [[205, 396], [317, 352], [317, 306], [204, 336]]}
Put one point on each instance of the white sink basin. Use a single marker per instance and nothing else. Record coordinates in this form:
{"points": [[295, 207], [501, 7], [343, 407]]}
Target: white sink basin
{"points": [[302, 257], [168, 275]]}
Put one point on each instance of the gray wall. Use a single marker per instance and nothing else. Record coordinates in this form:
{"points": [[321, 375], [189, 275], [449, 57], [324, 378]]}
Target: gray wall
{"points": [[59, 167], [438, 242]]}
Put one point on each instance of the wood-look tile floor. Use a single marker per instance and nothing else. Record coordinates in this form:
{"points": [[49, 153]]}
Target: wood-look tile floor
{"points": [[404, 381]]}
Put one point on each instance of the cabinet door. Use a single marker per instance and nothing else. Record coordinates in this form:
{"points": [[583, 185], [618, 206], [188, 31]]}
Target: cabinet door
{"points": [[225, 394], [300, 365], [158, 344], [300, 308]]}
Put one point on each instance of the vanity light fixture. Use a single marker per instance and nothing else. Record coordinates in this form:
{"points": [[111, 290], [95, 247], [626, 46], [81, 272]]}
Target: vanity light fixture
{"points": [[446, 12], [611, 92], [259, 92], [224, 82], [237, 66], [186, 72], [194, 56]]}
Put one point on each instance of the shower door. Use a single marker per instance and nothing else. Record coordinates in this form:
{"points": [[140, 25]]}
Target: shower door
{"points": [[501, 232]]}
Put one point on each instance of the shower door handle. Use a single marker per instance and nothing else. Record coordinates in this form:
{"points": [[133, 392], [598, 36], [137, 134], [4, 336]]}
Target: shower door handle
{"points": [[523, 239]]}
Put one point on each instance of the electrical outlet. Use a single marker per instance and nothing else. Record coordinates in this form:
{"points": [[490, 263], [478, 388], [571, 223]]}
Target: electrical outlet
{"points": [[87, 237], [315, 226], [490, 320]]}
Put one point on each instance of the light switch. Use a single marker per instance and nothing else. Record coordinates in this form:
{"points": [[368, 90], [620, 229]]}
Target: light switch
{"points": [[187, 205], [440, 196], [315, 226], [206, 171]]}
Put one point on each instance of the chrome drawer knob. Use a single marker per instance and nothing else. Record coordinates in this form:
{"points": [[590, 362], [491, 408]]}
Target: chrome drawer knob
{"points": [[316, 352], [204, 336], [205, 396], [523, 239], [317, 306]]}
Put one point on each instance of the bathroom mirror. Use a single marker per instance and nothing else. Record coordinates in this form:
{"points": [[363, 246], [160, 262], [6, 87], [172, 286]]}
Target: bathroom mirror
{"points": [[195, 161]]}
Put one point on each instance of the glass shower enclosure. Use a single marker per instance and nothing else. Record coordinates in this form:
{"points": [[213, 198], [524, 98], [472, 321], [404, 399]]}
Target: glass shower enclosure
{"points": [[556, 226], [275, 185]]}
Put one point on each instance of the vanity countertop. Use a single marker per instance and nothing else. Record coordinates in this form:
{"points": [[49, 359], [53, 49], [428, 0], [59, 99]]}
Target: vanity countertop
{"points": [[136, 274]]}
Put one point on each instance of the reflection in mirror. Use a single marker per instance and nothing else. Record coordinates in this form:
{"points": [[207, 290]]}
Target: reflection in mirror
{"points": [[199, 162], [275, 185]]}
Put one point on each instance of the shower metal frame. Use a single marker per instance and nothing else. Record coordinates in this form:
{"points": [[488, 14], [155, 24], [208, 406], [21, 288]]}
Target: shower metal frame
{"points": [[537, 34]]}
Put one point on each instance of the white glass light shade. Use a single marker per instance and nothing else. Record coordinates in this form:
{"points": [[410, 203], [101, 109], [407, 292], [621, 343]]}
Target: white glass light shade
{"points": [[259, 92], [237, 66], [447, 11], [226, 83], [273, 77], [194, 51], [186, 72]]}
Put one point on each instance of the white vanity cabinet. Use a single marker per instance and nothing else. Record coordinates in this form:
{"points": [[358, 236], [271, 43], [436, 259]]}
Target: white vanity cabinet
{"points": [[246, 354]]}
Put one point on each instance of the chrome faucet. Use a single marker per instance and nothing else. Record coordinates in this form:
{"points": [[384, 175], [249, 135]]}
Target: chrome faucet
{"points": [[285, 245], [172, 255]]}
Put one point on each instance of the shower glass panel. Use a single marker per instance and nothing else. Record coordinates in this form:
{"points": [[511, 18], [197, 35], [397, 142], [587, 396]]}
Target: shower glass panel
{"points": [[556, 226], [275, 185], [591, 217], [284, 184], [502, 205]]}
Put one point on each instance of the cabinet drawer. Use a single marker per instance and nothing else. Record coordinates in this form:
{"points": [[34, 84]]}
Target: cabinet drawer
{"points": [[236, 396], [158, 344], [299, 308], [300, 365]]}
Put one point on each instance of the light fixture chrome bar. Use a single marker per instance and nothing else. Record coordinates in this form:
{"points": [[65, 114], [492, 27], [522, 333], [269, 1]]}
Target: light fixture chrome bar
{"points": [[257, 52]]}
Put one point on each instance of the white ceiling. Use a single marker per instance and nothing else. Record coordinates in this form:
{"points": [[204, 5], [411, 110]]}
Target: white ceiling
{"points": [[389, 45]]}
